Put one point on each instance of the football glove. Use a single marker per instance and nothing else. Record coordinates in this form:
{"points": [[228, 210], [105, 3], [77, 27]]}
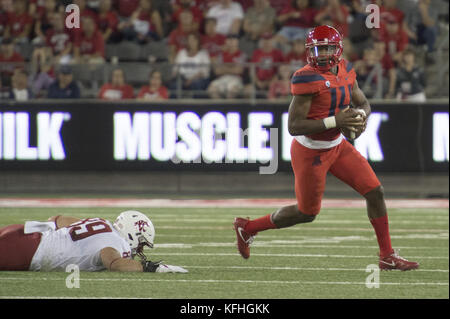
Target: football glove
{"points": [[150, 266]]}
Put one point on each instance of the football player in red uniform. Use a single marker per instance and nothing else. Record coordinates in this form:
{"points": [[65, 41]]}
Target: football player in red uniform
{"points": [[319, 111]]}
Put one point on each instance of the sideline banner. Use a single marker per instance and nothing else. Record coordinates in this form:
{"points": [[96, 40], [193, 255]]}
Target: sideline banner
{"points": [[134, 136]]}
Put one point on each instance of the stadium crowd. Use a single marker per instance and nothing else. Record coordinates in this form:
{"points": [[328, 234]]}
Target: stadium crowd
{"points": [[214, 48]]}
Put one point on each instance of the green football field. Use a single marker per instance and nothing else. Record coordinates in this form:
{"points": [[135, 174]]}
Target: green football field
{"points": [[324, 259]]}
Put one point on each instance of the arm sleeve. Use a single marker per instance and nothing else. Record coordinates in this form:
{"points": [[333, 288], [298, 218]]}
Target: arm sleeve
{"points": [[306, 83]]}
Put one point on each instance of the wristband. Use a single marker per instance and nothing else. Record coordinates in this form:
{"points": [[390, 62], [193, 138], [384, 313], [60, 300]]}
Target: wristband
{"points": [[329, 122]]}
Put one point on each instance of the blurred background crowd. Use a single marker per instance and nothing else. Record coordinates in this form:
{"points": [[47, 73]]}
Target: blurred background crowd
{"points": [[169, 49]]}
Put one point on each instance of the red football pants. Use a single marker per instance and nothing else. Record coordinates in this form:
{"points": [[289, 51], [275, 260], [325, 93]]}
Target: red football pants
{"points": [[311, 166], [16, 248]]}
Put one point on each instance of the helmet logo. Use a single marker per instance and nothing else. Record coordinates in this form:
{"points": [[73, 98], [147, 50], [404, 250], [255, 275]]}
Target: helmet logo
{"points": [[141, 224]]}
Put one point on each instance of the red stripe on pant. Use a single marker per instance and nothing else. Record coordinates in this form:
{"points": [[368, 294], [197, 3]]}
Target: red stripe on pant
{"points": [[17, 248]]}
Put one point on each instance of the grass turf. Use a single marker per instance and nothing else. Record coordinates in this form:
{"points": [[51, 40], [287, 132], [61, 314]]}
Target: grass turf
{"points": [[323, 259]]}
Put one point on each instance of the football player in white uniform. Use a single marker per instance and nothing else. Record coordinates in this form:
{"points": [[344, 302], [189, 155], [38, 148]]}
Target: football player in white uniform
{"points": [[92, 244]]}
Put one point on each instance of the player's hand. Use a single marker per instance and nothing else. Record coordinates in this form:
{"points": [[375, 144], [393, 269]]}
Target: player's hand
{"points": [[348, 118], [149, 266], [170, 268]]}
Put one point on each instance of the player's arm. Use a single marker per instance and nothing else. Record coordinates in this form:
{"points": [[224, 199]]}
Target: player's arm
{"points": [[63, 221], [113, 261], [299, 124], [359, 100]]}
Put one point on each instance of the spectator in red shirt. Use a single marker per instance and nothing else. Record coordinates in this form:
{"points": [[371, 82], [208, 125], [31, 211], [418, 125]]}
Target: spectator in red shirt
{"points": [[188, 5], [390, 7], [19, 22], [108, 22], [126, 8], [266, 59], [296, 58], [178, 37], [212, 41], [337, 13], [117, 89], [296, 19], [9, 60], [394, 37], [59, 39], [84, 12], [229, 69], [281, 86], [388, 65], [154, 91], [144, 24], [3, 22], [43, 16], [90, 47]]}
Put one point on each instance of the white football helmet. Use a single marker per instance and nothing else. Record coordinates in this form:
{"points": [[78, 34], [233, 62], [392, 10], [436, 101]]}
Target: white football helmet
{"points": [[137, 229]]}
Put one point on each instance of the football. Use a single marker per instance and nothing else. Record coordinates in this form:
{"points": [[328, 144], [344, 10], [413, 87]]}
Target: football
{"points": [[349, 135]]}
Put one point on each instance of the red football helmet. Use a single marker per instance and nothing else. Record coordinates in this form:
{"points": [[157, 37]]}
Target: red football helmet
{"points": [[324, 47]]}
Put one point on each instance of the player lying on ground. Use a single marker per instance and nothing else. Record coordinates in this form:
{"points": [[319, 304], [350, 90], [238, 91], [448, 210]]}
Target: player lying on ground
{"points": [[92, 244], [322, 91]]}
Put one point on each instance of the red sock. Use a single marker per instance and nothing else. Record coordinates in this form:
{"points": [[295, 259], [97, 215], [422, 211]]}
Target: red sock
{"points": [[259, 224], [381, 226]]}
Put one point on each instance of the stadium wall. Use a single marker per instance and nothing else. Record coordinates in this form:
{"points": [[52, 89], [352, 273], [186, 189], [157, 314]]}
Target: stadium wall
{"points": [[201, 146]]}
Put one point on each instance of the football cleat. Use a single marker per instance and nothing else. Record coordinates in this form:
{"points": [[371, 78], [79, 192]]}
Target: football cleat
{"points": [[244, 239], [394, 261]]}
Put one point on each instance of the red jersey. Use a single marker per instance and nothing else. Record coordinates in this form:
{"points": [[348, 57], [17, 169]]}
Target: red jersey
{"points": [[17, 23], [178, 38], [110, 92], [213, 44], [394, 42], [236, 57], [92, 45], [58, 41], [108, 21], [9, 64], [306, 19], [266, 63], [331, 93], [197, 14], [127, 7], [147, 93]]}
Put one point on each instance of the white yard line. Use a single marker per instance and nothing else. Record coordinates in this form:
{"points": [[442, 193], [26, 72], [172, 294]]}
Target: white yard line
{"points": [[238, 281], [237, 203], [314, 239], [286, 244], [297, 268], [294, 255]]}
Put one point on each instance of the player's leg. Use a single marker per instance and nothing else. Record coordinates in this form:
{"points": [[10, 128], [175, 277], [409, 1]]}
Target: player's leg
{"points": [[16, 248], [353, 169], [288, 216], [310, 167]]}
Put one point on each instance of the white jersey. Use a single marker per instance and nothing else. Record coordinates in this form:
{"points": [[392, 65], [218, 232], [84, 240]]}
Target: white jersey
{"points": [[79, 244]]}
